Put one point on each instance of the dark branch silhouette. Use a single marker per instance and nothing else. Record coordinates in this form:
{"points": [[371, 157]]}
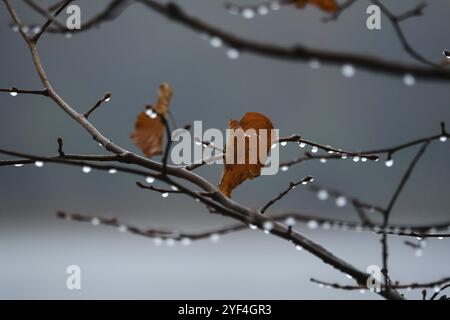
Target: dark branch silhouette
{"points": [[298, 52]]}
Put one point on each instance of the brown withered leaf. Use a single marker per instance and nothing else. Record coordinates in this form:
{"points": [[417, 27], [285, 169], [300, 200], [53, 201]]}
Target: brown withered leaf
{"points": [[164, 94], [325, 5], [148, 134], [235, 173], [149, 127]]}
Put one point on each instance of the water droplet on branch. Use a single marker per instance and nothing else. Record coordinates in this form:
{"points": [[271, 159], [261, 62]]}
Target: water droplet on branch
{"points": [[409, 80], [248, 13], [314, 64], [348, 70], [39, 164], [86, 169], [215, 42], [186, 241], [341, 201], [290, 221], [214, 237], [233, 53], [36, 29], [326, 225], [262, 10], [389, 163], [312, 224], [322, 195], [267, 226], [151, 113], [446, 54]]}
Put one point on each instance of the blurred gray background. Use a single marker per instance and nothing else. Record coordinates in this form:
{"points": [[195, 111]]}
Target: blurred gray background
{"points": [[131, 57]]}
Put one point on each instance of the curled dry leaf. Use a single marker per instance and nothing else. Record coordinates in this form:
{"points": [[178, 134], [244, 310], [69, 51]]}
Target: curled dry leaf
{"points": [[164, 94], [325, 5], [234, 172], [149, 127], [148, 134]]}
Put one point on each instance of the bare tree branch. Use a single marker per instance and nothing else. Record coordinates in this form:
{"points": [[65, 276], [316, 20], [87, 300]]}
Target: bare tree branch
{"points": [[282, 194], [51, 18], [295, 53], [413, 285], [396, 20], [15, 91], [443, 136], [289, 219], [106, 98]]}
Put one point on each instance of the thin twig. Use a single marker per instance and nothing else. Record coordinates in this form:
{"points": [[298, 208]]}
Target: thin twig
{"points": [[413, 285], [106, 97], [287, 218], [291, 186], [391, 204], [51, 18], [387, 151], [160, 190], [396, 20], [60, 147], [15, 90], [295, 53]]}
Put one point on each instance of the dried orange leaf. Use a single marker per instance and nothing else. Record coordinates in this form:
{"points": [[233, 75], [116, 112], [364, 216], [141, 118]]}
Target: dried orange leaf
{"points": [[149, 127], [235, 173], [325, 5], [148, 134], [164, 94]]}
